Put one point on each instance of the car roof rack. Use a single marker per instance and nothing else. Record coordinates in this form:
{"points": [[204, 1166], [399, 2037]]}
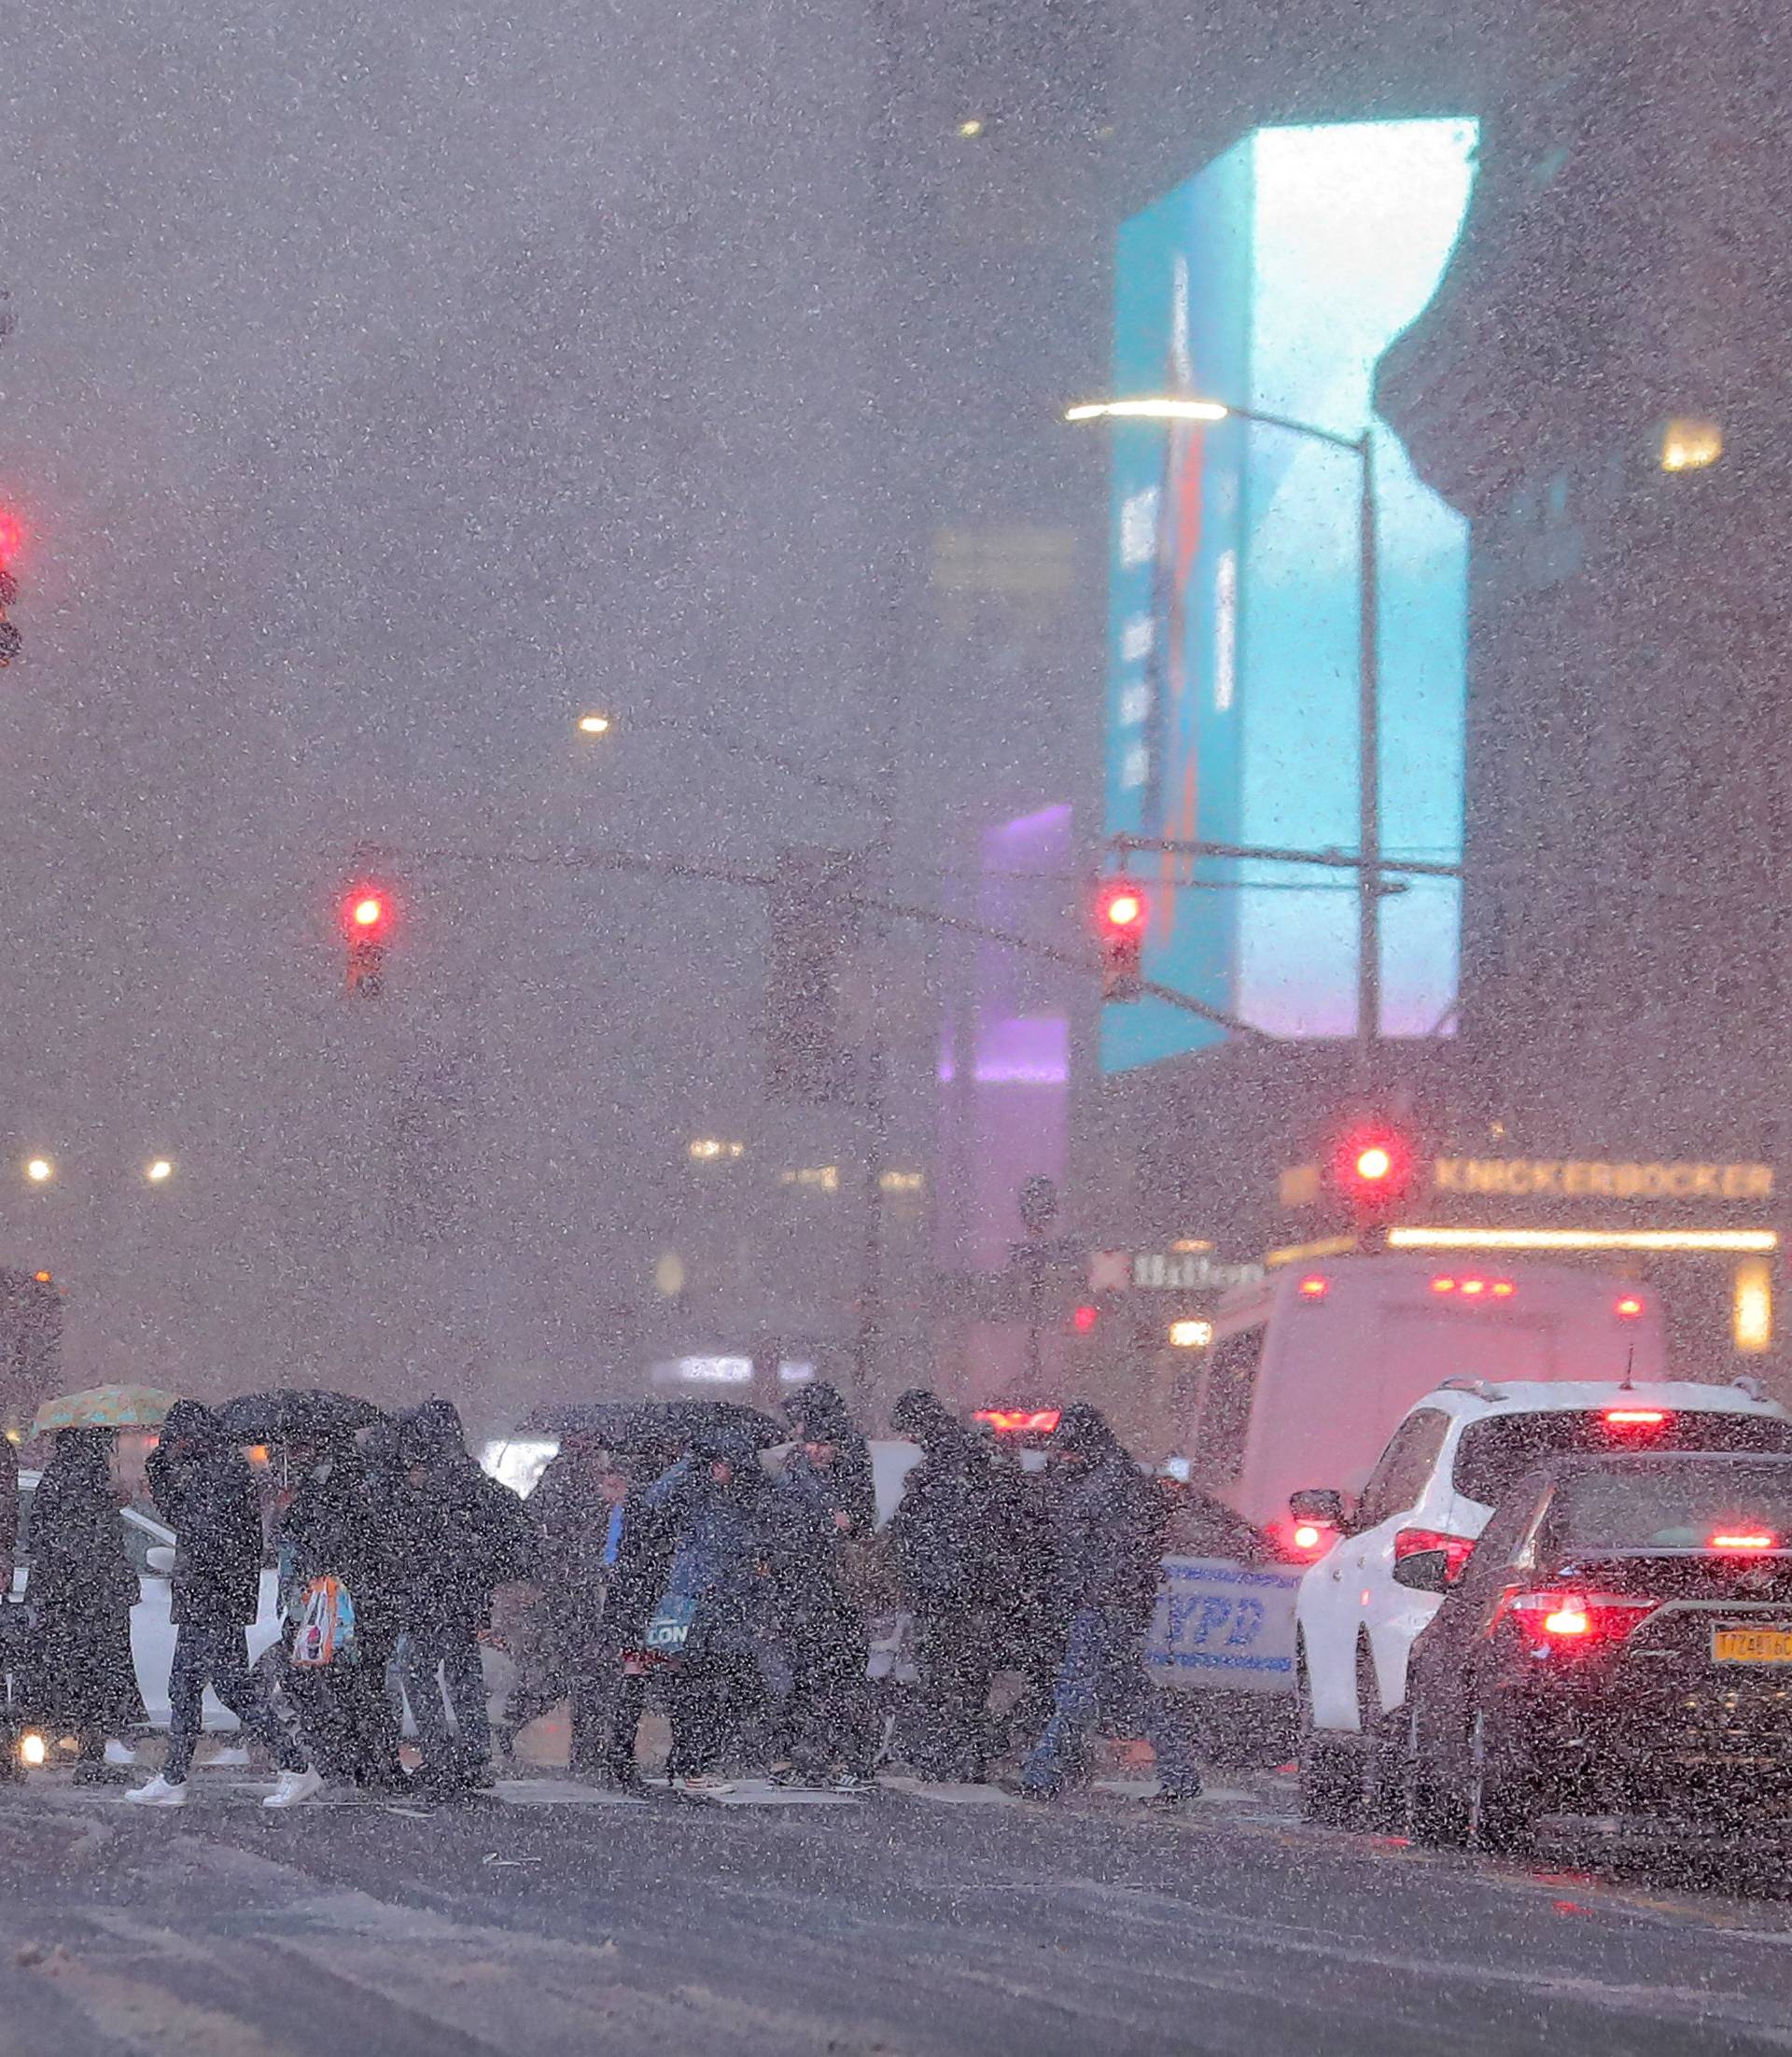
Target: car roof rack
{"points": [[1483, 1388]]}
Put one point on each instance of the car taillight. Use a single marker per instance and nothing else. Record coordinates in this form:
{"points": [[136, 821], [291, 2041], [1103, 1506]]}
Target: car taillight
{"points": [[1560, 1618], [1629, 1306], [1417, 1542], [1743, 1539], [1636, 1421]]}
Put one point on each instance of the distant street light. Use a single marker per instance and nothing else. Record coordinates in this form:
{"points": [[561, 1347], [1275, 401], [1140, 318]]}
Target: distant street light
{"points": [[158, 1171], [594, 725], [39, 1170]]}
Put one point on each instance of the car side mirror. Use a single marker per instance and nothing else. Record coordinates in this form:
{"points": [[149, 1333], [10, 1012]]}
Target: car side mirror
{"points": [[1424, 1570], [160, 1560], [1320, 1504]]}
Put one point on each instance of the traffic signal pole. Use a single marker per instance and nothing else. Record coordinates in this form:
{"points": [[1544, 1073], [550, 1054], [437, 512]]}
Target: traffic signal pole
{"points": [[1368, 776]]}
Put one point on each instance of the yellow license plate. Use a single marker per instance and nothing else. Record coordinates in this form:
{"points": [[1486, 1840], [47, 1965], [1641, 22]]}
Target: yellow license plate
{"points": [[1750, 1645]]}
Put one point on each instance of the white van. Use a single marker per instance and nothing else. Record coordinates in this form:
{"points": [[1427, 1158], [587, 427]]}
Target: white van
{"points": [[1310, 1371]]}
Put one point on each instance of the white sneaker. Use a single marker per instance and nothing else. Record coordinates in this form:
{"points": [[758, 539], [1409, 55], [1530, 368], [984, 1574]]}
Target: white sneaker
{"points": [[120, 1752], [293, 1786], [158, 1793]]}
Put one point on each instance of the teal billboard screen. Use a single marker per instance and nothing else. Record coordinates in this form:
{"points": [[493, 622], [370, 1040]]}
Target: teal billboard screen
{"points": [[1274, 280]]}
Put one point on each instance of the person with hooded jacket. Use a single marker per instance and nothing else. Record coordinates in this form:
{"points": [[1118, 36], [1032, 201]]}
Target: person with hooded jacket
{"points": [[82, 1590], [202, 1487], [461, 1536], [1110, 1523], [830, 1718], [340, 1523], [950, 1547], [711, 1619]]}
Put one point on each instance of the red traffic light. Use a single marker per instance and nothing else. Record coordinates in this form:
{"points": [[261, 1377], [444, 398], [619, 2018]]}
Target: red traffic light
{"points": [[367, 928], [1083, 1319], [1120, 914], [1122, 907], [12, 535], [1372, 1166]]}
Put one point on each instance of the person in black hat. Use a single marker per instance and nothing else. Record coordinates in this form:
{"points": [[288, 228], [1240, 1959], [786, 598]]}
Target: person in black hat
{"points": [[204, 1489], [1110, 1536]]}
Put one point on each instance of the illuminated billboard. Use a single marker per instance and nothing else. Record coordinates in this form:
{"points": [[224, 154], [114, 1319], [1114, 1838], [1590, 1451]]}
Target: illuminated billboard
{"points": [[1274, 280]]}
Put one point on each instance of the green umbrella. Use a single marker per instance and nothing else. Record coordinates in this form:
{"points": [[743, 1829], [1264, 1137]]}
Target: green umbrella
{"points": [[105, 1408]]}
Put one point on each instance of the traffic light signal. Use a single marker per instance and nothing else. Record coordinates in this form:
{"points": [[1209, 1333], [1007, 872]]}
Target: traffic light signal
{"points": [[11, 642], [1372, 1166], [1120, 932], [366, 921]]}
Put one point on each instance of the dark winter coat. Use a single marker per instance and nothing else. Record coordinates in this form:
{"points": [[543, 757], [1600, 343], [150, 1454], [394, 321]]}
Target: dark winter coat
{"points": [[204, 1489], [9, 1515], [1110, 1522], [341, 1523], [632, 1584], [81, 1588], [458, 1534], [820, 1416], [947, 1539], [725, 1540]]}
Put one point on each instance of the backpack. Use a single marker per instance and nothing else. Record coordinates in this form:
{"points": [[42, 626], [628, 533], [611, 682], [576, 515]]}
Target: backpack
{"points": [[326, 1631]]}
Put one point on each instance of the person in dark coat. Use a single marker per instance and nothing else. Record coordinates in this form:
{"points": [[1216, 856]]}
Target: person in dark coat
{"points": [[82, 1590], [461, 1536], [713, 1616], [951, 1555], [611, 1675], [830, 1718], [341, 1524], [1110, 1524], [571, 1517], [203, 1491], [9, 1515]]}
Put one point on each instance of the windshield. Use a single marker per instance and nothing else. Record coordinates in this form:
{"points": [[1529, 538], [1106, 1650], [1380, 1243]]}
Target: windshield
{"points": [[1494, 1455], [1677, 1507]]}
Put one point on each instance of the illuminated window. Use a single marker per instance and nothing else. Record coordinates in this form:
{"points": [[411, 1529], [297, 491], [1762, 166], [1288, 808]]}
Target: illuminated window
{"points": [[821, 1178]]}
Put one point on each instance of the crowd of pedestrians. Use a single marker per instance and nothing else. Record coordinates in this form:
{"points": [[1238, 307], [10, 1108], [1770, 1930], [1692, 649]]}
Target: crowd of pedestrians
{"points": [[733, 1591]]}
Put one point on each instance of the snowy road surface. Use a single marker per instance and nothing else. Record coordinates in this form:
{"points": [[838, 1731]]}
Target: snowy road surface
{"points": [[554, 1923]]}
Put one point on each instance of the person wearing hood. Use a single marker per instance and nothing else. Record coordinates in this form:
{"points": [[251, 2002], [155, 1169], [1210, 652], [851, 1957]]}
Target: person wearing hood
{"points": [[462, 1535], [828, 1719], [82, 1590], [340, 1523], [950, 1545], [203, 1488], [1109, 1550], [720, 1509]]}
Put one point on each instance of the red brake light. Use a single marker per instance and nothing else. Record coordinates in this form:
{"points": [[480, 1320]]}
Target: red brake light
{"points": [[1559, 1619], [1018, 1420], [1417, 1542], [1751, 1539], [1474, 1288], [1502, 1289], [1314, 1288], [1308, 1535], [1636, 1418], [1443, 1285], [1629, 1306]]}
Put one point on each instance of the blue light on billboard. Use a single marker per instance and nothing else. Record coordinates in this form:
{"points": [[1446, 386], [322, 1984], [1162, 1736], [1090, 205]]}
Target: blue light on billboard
{"points": [[1274, 280]]}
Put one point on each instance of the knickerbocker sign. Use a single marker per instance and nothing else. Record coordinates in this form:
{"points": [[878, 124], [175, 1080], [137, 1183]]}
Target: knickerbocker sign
{"points": [[1588, 1178]]}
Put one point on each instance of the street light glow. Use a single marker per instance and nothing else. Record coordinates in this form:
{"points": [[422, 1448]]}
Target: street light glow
{"points": [[594, 725], [39, 1169], [157, 1170], [1159, 407]]}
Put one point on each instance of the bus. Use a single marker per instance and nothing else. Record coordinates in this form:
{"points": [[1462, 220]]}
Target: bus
{"points": [[1309, 1370]]}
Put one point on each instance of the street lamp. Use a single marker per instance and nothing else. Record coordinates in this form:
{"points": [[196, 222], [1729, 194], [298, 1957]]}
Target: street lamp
{"points": [[39, 1170], [159, 1170], [1182, 407], [594, 725]]}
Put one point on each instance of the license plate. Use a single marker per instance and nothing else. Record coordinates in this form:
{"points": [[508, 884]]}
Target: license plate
{"points": [[1750, 1645]]}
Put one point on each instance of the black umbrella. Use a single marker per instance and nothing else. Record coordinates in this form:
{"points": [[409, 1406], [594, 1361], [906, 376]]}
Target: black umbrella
{"points": [[277, 1416], [645, 1425]]}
